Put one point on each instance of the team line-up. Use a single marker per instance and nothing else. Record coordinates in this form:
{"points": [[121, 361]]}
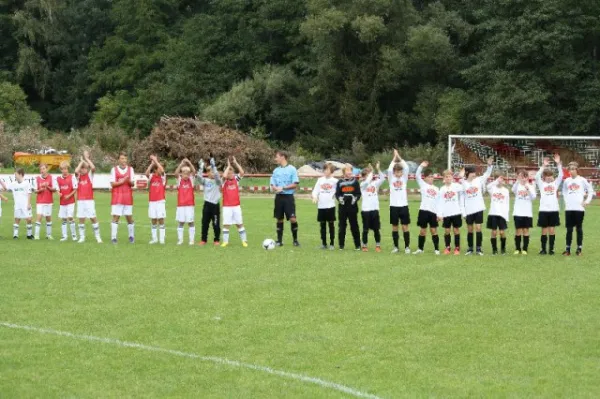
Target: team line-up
{"points": [[448, 204]]}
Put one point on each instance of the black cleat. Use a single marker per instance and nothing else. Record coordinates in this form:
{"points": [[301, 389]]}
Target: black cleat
{"points": [[296, 244], [30, 237], [543, 252], [578, 252], [278, 244], [551, 252], [15, 237], [567, 253]]}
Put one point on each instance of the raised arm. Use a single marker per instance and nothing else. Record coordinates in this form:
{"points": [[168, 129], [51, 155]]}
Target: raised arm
{"points": [[239, 168], [178, 170], [86, 157], [419, 173], [381, 179], [538, 175], [79, 166], [532, 192], [149, 169], [559, 179], [227, 170], [213, 167], [191, 165], [159, 167], [488, 172]]}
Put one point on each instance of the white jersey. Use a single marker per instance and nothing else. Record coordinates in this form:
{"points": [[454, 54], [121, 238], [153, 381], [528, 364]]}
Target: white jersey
{"points": [[429, 193], [370, 192], [574, 191], [474, 191], [21, 192], [398, 195], [524, 196], [500, 200], [449, 200], [549, 191], [324, 192]]}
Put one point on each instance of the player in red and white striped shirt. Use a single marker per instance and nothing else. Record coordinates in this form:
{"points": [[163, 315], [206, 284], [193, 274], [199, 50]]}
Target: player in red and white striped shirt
{"points": [[86, 206], [186, 200], [232, 211], [157, 212], [66, 185], [45, 187]]}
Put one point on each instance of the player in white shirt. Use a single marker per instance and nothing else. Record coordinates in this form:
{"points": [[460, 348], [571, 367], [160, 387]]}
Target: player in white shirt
{"points": [[369, 188], [497, 219], [577, 194], [427, 211], [21, 190], [549, 216], [450, 210], [324, 196], [399, 214], [474, 204], [523, 211]]}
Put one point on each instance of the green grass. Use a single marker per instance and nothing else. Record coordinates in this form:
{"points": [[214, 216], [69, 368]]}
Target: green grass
{"points": [[392, 326]]}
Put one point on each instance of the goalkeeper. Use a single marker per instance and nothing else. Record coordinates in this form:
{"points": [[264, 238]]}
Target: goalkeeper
{"points": [[348, 193], [211, 212]]}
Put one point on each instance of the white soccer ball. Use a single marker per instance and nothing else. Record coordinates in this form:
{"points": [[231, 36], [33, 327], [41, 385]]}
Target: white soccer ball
{"points": [[268, 244]]}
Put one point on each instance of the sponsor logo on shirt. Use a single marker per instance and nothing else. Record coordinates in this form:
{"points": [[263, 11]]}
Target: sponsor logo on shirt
{"points": [[523, 194], [326, 187], [498, 196], [398, 185], [449, 195], [573, 187], [549, 190], [472, 191], [431, 193], [371, 190]]}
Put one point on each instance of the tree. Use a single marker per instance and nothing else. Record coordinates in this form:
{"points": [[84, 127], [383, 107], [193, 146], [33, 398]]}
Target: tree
{"points": [[14, 110]]}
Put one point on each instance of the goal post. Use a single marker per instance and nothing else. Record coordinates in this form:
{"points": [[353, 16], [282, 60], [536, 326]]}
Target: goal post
{"points": [[514, 153]]}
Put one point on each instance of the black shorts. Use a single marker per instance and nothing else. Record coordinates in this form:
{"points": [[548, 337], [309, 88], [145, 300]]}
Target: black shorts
{"points": [[548, 219], [475, 218], [495, 222], [523, 222], [326, 215], [370, 220], [427, 218], [574, 218], [399, 215], [452, 221], [285, 206]]}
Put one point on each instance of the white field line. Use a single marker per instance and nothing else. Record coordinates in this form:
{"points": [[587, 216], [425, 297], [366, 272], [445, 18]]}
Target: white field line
{"points": [[218, 360]]}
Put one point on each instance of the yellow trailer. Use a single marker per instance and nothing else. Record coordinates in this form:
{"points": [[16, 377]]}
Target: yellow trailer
{"points": [[52, 160]]}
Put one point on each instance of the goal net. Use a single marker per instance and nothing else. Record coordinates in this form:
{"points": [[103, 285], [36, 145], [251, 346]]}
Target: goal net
{"points": [[514, 153]]}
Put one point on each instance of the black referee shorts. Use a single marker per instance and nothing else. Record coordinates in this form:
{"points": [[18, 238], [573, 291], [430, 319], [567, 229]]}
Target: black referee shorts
{"points": [[285, 206]]}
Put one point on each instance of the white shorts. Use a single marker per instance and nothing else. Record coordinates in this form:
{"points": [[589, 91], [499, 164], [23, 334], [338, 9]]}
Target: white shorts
{"points": [[22, 213], [121, 210], [44, 209], [157, 210], [185, 214], [66, 211], [86, 209], [232, 215]]}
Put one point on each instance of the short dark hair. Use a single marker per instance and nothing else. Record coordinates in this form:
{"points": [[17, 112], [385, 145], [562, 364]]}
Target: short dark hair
{"points": [[470, 169], [427, 172], [283, 154], [499, 173], [21, 172], [122, 154], [398, 167], [329, 166]]}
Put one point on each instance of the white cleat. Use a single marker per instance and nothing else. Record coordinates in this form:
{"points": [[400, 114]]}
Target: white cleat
{"points": [[179, 242], [81, 241], [99, 240], [162, 243], [191, 243], [36, 238], [407, 251], [395, 250], [437, 252], [153, 242], [418, 252], [63, 239]]}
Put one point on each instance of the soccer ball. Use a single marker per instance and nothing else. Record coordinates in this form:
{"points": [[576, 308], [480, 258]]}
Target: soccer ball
{"points": [[268, 244]]}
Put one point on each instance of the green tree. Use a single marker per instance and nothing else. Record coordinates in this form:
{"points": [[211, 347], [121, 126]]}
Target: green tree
{"points": [[14, 110]]}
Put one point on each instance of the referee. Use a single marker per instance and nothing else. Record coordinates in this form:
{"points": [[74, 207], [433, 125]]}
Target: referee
{"points": [[284, 182]]}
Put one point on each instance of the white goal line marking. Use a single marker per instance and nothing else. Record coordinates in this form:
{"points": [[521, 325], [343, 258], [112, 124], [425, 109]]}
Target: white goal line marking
{"points": [[213, 359]]}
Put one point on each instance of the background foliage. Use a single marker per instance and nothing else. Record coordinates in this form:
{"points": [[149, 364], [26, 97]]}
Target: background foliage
{"points": [[325, 74]]}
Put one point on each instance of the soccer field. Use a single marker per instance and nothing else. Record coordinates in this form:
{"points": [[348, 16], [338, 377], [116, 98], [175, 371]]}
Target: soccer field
{"points": [[90, 320]]}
